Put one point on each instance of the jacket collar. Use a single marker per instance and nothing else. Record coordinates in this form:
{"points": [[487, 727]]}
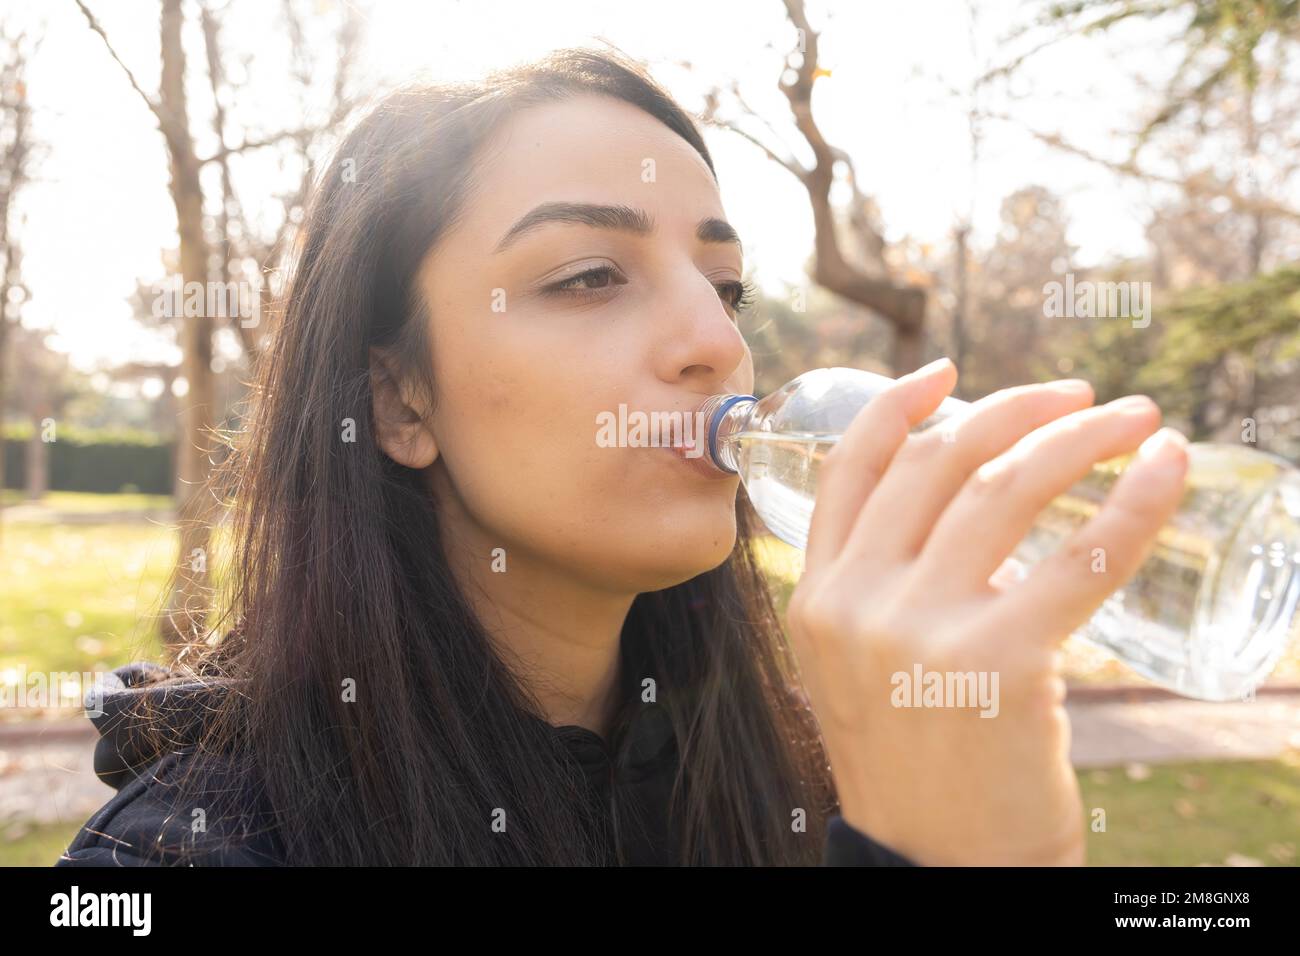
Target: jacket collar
{"points": [[643, 743]]}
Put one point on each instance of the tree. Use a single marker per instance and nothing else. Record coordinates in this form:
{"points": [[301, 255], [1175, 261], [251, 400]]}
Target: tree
{"points": [[1234, 54], [201, 258], [15, 156], [48, 384], [1217, 144], [867, 280], [1249, 330], [241, 245]]}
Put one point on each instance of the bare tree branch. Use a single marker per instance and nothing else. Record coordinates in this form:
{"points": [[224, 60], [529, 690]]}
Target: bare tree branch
{"points": [[790, 165], [154, 106], [867, 283], [1192, 185], [903, 306], [225, 152]]}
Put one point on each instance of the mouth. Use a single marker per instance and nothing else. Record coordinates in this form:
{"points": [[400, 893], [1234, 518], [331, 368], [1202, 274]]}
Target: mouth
{"points": [[677, 434], [685, 451]]}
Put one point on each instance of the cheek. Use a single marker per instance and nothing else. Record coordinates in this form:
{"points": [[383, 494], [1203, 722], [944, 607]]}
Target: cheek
{"points": [[521, 454], [531, 471], [517, 430]]}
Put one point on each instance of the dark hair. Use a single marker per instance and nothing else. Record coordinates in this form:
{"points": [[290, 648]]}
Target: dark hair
{"points": [[337, 571]]}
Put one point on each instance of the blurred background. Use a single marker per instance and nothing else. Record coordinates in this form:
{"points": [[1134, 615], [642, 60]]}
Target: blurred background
{"points": [[911, 180]]}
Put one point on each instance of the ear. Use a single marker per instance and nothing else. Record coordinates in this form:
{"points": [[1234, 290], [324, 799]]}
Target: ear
{"points": [[401, 419]]}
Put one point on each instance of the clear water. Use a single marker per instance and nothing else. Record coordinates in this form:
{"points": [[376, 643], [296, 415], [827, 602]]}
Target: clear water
{"points": [[1208, 614]]}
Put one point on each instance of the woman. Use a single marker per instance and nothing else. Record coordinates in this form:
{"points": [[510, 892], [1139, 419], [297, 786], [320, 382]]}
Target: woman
{"points": [[458, 630]]}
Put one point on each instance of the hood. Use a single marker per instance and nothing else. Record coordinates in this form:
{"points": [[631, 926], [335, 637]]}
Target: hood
{"points": [[139, 721]]}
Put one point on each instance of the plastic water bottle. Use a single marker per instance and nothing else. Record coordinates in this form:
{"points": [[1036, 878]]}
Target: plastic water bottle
{"points": [[1208, 614]]}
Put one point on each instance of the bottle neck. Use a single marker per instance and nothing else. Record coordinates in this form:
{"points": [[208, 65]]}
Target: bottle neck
{"points": [[723, 416]]}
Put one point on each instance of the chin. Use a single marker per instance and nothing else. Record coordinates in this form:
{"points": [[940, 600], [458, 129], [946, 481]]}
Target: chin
{"points": [[691, 555], [664, 547]]}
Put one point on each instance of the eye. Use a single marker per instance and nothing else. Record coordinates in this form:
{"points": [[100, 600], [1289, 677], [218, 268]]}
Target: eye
{"points": [[738, 296], [589, 280]]}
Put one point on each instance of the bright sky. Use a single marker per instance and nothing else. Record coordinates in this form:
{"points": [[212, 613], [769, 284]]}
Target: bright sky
{"points": [[99, 214]]}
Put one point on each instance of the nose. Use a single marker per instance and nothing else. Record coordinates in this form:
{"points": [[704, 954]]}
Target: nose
{"points": [[699, 344]]}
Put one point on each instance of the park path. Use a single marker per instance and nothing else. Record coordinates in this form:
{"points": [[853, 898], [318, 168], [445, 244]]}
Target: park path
{"points": [[1109, 733], [47, 773]]}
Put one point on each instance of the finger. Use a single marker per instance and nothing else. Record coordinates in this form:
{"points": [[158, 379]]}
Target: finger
{"points": [[852, 468], [1000, 502], [1065, 588], [931, 467]]}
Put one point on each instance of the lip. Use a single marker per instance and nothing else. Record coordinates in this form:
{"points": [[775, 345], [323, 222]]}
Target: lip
{"points": [[698, 464]]}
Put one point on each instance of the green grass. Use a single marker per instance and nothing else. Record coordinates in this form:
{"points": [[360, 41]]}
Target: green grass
{"points": [[81, 597], [84, 502], [22, 845], [1196, 813]]}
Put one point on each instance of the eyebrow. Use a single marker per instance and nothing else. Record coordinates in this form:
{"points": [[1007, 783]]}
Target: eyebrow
{"points": [[621, 218]]}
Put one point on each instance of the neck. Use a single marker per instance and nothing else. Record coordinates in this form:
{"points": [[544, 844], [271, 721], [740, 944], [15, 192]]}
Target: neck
{"points": [[559, 635]]}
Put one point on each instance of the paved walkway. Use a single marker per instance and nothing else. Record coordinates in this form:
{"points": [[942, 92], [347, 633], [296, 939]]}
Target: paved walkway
{"points": [[1112, 733], [47, 776], [43, 514]]}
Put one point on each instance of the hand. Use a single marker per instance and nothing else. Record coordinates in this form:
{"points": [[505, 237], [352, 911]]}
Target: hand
{"points": [[906, 534]]}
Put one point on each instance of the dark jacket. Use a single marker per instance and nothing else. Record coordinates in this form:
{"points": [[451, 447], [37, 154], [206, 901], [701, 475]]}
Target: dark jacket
{"points": [[141, 824]]}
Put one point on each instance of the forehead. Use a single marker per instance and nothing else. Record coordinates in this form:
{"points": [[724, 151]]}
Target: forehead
{"points": [[589, 148]]}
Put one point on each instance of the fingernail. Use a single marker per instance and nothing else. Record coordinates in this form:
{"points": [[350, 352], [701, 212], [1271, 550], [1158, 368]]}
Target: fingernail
{"points": [[1132, 404], [1070, 386], [929, 369], [1160, 449]]}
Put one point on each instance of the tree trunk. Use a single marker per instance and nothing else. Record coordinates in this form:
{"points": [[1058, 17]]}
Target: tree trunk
{"points": [[185, 615], [908, 349], [37, 465], [961, 311]]}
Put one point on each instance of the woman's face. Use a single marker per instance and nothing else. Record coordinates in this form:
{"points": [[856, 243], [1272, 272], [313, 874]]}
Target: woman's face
{"points": [[538, 329]]}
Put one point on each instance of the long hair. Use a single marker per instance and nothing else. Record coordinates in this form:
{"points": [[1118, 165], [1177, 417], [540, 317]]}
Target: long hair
{"points": [[336, 577]]}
